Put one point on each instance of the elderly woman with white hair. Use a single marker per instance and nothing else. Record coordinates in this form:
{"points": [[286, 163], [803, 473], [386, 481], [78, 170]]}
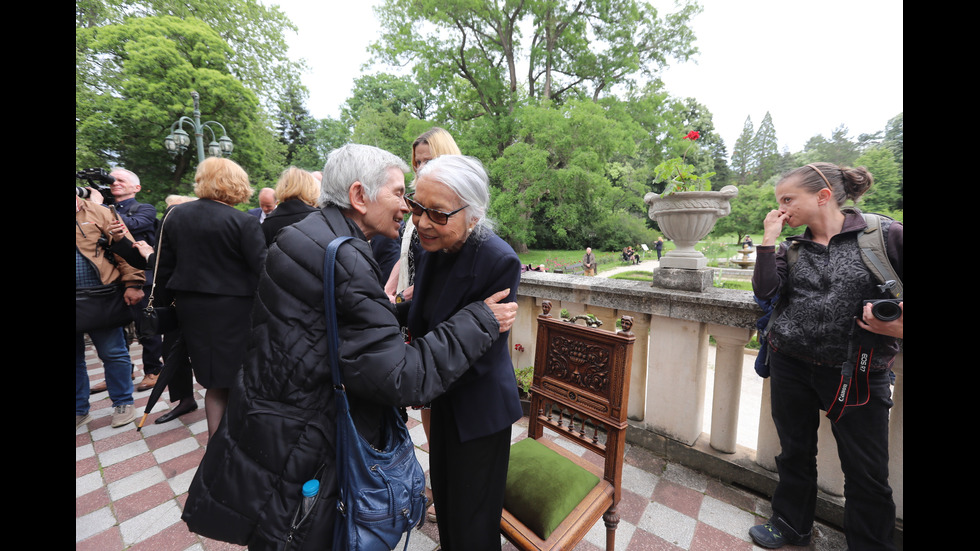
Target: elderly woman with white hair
{"points": [[471, 423]]}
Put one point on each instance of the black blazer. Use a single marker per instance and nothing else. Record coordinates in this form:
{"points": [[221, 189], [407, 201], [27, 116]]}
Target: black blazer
{"points": [[485, 398], [287, 213], [209, 247]]}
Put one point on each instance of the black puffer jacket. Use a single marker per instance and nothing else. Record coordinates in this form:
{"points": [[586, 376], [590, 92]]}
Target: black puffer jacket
{"points": [[279, 428]]}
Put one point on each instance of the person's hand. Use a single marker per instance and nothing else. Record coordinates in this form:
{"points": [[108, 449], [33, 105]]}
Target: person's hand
{"points": [[893, 328], [773, 225], [117, 229], [95, 196], [144, 248], [133, 296], [505, 312], [407, 293]]}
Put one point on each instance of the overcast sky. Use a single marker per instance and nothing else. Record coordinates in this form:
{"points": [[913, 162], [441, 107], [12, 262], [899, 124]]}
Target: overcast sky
{"points": [[812, 65]]}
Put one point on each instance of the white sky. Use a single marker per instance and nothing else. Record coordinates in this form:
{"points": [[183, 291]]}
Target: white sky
{"points": [[812, 65]]}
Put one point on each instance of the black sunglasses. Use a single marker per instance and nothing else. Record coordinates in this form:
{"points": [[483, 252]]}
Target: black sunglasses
{"points": [[437, 216]]}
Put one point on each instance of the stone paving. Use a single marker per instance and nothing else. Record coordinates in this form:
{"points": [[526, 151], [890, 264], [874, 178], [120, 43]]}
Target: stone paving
{"points": [[130, 488]]}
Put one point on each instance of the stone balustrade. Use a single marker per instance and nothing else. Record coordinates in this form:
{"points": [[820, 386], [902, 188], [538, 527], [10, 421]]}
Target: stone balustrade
{"points": [[669, 376]]}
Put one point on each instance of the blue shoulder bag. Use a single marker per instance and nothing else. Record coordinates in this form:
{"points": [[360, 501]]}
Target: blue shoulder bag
{"points": [[381, 491]]}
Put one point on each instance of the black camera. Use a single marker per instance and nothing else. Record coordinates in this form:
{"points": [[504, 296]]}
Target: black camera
{"points": [[98, 179], [886, 309]]}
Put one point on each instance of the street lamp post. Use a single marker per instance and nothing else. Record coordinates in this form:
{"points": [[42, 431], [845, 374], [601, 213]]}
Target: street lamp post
{"points": [[178, 141]]}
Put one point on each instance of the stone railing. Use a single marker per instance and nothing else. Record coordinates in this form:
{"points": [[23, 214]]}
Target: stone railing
{"points": [[668, 380]]}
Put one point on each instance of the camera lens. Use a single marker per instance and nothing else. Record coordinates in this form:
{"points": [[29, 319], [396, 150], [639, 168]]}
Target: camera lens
{"points": [[886, 310]]}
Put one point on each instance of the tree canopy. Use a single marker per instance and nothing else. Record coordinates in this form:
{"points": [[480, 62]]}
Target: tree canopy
{"points": [[560, 99]]}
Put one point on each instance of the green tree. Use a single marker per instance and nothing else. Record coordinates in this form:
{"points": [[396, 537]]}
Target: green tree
{"points": [[839, 149], [749, 210], [137, 81], [886, 193], [765, 148], [387, 92], [894, 141], [743, 159], [254, 32], [551, 185], [470, 50], [295, 126], [328, 134]]}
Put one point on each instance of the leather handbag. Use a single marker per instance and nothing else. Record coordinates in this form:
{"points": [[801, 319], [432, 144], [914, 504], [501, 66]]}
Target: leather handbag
{"points": [[157, 320], [381, 491], [101, 307]]}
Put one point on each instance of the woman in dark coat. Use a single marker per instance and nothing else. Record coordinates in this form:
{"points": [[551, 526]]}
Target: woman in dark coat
{"points": [[210, 258], [471, 423], [297, 192]]}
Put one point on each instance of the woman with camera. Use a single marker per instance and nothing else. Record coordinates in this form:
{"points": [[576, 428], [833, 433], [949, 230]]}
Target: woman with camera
{"points": [[820, 324]]}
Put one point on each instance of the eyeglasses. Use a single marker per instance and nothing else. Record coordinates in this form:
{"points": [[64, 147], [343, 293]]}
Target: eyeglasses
{"points": [[437, 216]]}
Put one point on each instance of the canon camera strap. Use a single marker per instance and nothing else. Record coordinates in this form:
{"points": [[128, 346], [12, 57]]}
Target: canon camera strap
{"points": [[854, 389]]}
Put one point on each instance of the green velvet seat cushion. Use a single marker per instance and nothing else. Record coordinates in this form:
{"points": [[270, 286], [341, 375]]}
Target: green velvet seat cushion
{"points": [[543, 486]]}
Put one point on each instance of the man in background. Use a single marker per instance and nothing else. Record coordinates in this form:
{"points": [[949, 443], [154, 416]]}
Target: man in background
{"points": [[267, 204], [588, 262], [141, 222]]}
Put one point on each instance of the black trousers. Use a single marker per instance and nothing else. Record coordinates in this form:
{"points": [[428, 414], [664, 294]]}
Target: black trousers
{"points": [[468, 480], [801, 392]]}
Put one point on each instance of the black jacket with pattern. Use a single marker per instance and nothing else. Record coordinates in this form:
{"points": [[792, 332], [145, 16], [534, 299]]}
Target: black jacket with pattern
{"points": [[824, 291]]}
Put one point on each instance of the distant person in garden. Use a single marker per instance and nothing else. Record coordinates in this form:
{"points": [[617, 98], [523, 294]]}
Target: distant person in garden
{"points": [[659, 245], [807, 354], [588, 262]]}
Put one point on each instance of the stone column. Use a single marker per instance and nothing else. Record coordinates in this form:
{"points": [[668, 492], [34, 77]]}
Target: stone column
{"points": [[729, 357], [676, 380], [638, 373]]}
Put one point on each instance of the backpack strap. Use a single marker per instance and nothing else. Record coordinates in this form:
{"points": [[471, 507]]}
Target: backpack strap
{"points": [[872, 244]]}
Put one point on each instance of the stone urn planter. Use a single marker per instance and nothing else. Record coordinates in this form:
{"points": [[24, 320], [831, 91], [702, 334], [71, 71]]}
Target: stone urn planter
{"points": [[687, 217]]}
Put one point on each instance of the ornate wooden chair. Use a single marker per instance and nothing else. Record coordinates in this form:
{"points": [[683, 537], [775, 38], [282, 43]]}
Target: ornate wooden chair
{"points": [[580, 390]]}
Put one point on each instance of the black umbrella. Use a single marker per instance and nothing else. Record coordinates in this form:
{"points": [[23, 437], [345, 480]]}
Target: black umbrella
{"points": [[175, 357]]}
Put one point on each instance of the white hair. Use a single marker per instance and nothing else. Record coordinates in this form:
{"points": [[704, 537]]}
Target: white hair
{"points": [[132, 175], [468, 179], [356, 163]]}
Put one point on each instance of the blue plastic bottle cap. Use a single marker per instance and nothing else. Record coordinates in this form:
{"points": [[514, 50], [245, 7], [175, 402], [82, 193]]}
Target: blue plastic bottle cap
{"points": [[311, 488]]}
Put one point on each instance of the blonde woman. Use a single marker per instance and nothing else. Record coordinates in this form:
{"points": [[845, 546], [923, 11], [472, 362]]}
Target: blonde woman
{"points": [[210, 257], [298, 192]]}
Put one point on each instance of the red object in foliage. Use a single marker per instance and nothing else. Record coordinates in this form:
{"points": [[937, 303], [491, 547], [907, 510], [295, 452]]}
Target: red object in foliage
{"points": [[692, 135]]}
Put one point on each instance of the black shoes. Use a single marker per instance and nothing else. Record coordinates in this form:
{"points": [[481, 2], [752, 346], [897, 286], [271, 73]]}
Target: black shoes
{"points": [[186, 405]]}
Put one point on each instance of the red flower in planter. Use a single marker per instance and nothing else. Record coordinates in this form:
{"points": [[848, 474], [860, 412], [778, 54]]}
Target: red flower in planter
{"points": [[519, 347]]}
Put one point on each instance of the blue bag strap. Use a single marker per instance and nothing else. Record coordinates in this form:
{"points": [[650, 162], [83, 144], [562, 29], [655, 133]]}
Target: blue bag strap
{"points": [[330, 308]]}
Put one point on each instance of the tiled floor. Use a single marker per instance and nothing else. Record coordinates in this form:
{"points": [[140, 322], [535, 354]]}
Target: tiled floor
{"points": [[130, 488]]}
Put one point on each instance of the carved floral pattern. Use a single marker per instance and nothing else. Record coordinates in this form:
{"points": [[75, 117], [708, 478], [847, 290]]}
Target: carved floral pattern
{"points": [[579, 363]]}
